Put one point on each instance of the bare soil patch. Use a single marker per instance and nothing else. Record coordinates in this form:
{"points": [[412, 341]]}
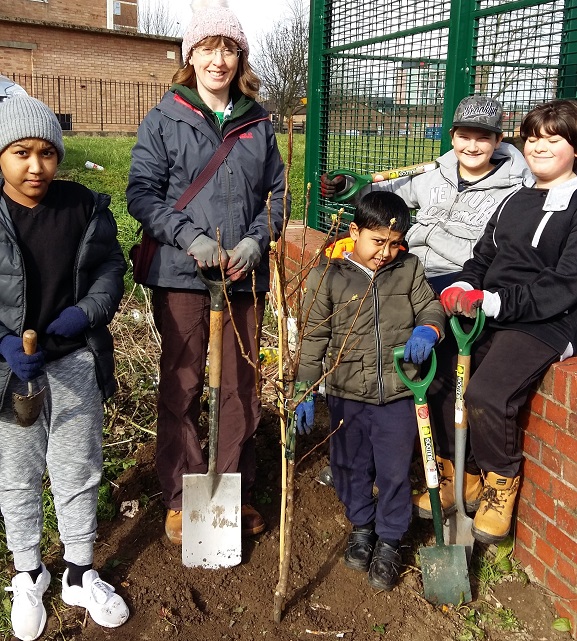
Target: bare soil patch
{"points": [[168, 601]]}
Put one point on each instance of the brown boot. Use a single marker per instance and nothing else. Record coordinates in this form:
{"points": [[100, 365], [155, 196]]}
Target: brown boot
{"points": [[493, 519], [473, 488], [251, 521], [173, 526]]}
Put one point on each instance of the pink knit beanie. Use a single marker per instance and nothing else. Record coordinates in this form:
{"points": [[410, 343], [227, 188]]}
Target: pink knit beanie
{"points": [[212, 18]]}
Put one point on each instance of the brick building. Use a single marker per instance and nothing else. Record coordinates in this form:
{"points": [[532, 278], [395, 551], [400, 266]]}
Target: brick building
{"points": [[86, 60]]}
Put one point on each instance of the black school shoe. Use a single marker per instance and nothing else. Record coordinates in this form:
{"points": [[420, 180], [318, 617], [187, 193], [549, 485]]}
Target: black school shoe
{"points": [[385, 566], [360, 548]]}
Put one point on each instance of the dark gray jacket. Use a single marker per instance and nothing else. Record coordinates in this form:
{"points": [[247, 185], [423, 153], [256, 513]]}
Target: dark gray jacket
{"points": [[98, 287], [176, 140], [399, 298]]}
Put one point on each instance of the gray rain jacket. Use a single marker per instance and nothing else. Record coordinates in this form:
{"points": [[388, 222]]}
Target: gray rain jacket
{"points": [[449, 223], [176, 140], [98, 287]]}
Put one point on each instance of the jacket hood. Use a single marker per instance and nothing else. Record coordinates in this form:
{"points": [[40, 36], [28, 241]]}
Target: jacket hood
{"points": [[241, 104], [515, 172]]}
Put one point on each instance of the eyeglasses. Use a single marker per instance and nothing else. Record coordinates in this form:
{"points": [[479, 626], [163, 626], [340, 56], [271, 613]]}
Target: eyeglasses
{"points": [[208, 53]]}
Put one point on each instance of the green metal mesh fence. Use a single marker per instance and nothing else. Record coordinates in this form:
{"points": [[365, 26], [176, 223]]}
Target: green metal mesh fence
{"points": [[385, 77]]}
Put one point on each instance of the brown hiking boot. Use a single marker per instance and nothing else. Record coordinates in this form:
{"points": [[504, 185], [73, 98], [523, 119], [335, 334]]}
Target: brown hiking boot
{"points": [[493, 519], [173, 526], [473, 488], [251, 521]]}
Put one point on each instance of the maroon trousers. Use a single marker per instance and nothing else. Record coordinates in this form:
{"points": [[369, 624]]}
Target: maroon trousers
{"points": [[182, 318]]}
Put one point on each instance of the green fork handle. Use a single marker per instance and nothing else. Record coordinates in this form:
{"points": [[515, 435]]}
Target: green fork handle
{"points": [[464, 339], [419, 389], [360, 181]]}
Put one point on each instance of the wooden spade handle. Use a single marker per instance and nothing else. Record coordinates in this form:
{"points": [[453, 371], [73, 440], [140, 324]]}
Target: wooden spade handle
{"points": [[29, 340]]}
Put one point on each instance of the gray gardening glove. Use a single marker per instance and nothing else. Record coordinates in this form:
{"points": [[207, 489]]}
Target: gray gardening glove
{"points": [[243, 259], [205, 251]]}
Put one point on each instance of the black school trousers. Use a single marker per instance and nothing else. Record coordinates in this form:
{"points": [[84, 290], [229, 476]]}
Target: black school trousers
{"points": [[374, 445], [505, 364]]}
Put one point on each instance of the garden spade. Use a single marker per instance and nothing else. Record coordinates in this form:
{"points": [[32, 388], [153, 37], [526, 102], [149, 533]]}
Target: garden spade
{"points": [[457, 527], [27, 408], [362, 180], [211, 502], [444, 567]]}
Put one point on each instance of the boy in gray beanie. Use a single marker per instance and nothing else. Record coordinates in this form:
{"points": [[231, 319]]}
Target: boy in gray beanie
{"points": [[62, 277]]}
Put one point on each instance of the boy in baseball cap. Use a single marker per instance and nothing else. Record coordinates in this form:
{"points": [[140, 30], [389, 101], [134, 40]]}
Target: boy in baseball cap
{"points": [[62, 276]]}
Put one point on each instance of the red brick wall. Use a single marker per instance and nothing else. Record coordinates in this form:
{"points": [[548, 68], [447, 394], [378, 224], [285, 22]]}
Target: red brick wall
{"points": [[546, 541], [88, 13], [44, 52], [546, 524], [89, 53]]}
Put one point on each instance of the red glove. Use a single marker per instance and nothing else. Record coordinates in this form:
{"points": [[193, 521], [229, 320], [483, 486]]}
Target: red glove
{"points": [[470, 301], [450, 300], [331, 187]]}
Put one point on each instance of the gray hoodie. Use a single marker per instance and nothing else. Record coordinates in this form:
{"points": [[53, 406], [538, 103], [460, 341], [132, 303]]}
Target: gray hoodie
{"points": [[449, 223]]}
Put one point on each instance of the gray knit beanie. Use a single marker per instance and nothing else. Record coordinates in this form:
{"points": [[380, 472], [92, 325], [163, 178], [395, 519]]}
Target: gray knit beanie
{"points": [[212, 18], [25, 117]]}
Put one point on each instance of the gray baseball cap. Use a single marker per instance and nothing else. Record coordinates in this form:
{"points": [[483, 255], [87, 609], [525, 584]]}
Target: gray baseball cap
{"points": [[479, 112]]}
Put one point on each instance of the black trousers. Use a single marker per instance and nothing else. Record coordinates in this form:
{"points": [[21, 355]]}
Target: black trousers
{"points": [[374, 445], [504, 366]]}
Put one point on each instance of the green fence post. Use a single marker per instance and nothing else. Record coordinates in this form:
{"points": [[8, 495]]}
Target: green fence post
{"points": [[568, 63], [460, 76], [316, 100]]}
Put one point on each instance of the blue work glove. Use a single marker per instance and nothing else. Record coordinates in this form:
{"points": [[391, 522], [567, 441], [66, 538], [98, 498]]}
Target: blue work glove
{"points": [[305, 410], [243, 259], [205, 251], [420, 344], [25, 367], [71, 322]]}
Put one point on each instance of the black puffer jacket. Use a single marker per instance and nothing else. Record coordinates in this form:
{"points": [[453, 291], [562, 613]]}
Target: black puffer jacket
{"points": [[98, 287]]}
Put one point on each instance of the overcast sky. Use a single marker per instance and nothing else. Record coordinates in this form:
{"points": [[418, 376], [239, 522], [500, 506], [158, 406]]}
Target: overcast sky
{"points": [[256, 16]]}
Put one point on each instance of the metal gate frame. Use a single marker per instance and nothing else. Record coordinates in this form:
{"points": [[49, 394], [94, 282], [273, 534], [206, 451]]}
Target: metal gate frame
{"points": [[547, 28]]}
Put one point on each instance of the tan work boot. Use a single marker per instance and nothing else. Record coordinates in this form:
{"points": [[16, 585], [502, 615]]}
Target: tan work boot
{"points": [[173, 526], [493, 519], [473, 488]]}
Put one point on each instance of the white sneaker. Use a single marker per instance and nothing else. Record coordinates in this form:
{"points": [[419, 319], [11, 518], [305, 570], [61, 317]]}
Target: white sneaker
{"points": [[106, 608], [28, 613]]}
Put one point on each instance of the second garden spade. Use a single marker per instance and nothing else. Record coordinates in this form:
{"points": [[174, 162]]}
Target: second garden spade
{"points": [[457, 527], [444, 567], [211, 503]]}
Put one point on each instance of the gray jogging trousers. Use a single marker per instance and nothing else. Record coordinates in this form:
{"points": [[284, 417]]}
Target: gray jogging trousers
{"points": [[66, 439]]}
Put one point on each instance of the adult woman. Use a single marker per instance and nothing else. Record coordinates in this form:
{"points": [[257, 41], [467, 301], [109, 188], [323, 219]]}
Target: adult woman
{"points": [[213, 96]]}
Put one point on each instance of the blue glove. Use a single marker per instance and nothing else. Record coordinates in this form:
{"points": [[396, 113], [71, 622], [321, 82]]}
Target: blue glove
{"points": [[420, 344], [25, 367], [71, 322], [305, 410]]}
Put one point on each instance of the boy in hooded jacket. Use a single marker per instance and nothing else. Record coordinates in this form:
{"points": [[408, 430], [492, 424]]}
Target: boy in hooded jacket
{"points": [[62, 276], [367, 301], [456, 200]]}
